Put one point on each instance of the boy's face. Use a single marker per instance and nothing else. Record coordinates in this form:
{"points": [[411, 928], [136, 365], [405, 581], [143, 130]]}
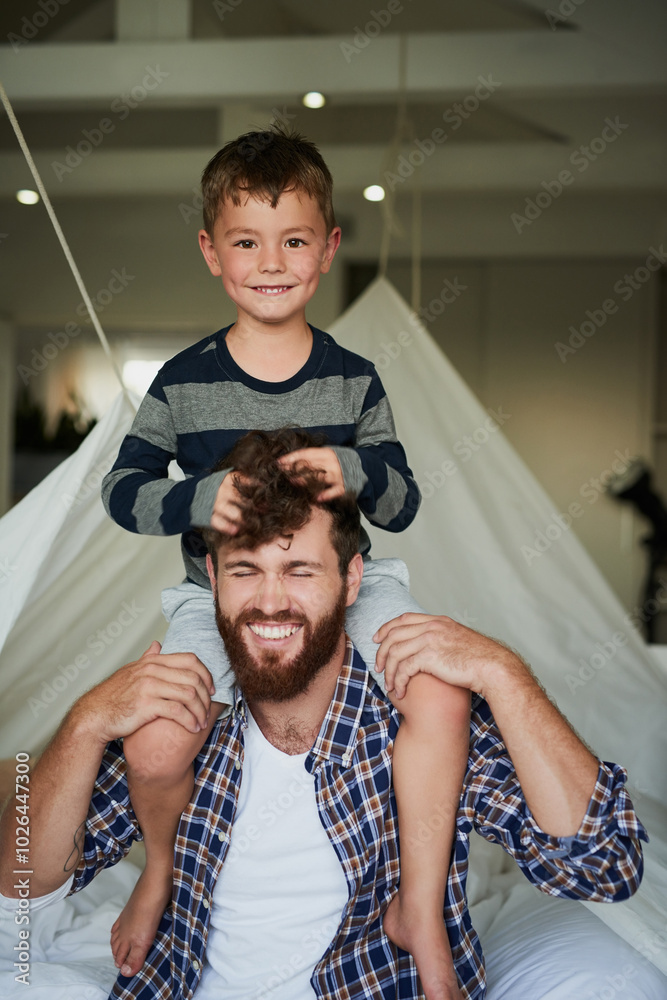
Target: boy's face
{"points": [[270, 259]]}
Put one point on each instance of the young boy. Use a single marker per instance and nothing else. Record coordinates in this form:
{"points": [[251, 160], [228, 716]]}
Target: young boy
{"points": [[269, 233]]}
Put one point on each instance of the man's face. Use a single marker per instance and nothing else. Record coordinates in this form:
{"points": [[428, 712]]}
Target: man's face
{"points": [[280, 609]]}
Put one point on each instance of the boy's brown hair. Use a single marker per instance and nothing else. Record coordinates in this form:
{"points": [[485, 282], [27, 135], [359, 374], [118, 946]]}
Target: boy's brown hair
{"points": [[266, 164]]}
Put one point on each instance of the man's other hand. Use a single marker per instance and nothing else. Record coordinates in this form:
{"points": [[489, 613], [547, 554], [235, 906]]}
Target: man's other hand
{"points": [[438, 645], [173, 686]]}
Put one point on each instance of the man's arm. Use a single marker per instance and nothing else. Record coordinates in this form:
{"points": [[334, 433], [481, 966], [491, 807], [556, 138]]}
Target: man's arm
{"points": [[556, 771], [175, 686]]}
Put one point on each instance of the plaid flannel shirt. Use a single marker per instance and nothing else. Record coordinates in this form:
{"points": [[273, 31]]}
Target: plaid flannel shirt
{"points": [[351, 760]]}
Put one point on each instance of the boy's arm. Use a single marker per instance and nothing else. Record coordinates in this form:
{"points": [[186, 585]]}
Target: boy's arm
{"points": [[137, 493], [376, 469]]}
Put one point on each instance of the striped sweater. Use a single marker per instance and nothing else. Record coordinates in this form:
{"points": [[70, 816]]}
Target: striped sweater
{"points": [[201, 402]]}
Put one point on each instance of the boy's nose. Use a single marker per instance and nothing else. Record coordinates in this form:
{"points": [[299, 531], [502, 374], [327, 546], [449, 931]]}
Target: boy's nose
{"points": [[271, 260]]}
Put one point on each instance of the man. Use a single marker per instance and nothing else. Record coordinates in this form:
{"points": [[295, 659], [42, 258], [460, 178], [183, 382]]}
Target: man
{"points": [[287, 856]]}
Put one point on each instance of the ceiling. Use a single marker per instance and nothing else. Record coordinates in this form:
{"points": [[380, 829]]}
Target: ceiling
{"points": [[512, 88]]}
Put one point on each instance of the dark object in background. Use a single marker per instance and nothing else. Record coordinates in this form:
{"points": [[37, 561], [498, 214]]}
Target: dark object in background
{"points": [[635, 486]]}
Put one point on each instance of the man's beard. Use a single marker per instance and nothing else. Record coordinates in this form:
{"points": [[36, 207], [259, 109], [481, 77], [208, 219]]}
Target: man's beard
{"points": [[268, 676]]}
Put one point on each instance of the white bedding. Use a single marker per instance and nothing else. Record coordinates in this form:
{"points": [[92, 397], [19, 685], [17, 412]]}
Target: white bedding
{"points": [[536, 948]]}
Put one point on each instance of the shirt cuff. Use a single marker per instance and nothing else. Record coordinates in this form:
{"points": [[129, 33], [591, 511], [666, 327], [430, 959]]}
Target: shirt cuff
{"points": [[203, 501], [354, 477], [9, 904], [610, 812]]}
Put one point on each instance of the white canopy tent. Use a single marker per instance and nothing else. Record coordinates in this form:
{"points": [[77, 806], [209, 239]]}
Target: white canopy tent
{"points": [[79, 597]]}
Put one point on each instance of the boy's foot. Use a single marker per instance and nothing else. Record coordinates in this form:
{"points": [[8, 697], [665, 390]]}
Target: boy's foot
{"points": [[134, 931], [426, 939]]}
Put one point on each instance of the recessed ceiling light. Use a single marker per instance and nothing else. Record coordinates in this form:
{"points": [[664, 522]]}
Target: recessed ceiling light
{"points": [[27, 197], [313, 99], [374, 192]]}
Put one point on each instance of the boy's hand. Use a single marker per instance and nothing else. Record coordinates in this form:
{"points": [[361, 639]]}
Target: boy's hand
{"points": [[323, 459], [226, 516]]}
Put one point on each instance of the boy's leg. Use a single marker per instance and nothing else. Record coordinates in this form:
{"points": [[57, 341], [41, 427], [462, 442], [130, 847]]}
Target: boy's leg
{"points": [[160, 774], [429, 762]]}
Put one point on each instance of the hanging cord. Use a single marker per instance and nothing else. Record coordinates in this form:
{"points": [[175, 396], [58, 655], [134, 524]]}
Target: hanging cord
{"points": [[63, 242], [403, 133]]}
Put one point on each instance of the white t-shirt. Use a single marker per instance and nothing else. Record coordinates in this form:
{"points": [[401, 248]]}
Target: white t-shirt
{"points": [[281, 894]]}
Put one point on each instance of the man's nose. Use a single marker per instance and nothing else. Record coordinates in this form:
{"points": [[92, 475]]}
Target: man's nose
{"points": [[272, 595]]}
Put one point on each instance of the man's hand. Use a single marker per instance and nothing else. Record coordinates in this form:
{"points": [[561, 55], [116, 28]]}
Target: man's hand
{"points": [[175, 686], [322, 459], [435, 644], [227, 509]]}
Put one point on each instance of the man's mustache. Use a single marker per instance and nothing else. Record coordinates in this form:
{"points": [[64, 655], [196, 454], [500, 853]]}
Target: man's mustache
{"points": [[255, 615]]}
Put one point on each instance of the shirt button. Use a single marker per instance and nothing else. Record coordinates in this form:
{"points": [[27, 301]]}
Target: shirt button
{"points": [[347, 757], [237, 764], [195, 965], [205, 904]]}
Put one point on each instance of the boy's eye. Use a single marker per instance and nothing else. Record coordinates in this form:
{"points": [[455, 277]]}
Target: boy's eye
{"points": [[295, 241], [245, 244]]}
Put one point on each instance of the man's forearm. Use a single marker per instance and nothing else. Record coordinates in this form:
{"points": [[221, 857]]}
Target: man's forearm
{"points": [[58, 796], [556, 771]]}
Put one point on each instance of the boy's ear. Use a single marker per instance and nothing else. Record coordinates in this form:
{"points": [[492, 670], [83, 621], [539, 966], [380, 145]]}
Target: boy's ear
{"points": [[210, 256], [333, 242]]}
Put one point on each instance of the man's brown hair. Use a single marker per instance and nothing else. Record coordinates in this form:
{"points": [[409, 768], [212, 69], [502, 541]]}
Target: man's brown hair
{"points": [[265, 165], [276, 503]]}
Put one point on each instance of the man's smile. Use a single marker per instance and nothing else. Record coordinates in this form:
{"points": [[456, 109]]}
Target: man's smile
{"points": [[273, 632]]}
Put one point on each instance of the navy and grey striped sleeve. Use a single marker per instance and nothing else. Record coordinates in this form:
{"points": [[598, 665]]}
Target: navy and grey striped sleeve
{"points": [[137, 493], [376, 469]]}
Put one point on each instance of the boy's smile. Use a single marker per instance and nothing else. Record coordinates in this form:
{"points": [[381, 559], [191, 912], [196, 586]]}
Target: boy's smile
{"points": [[270, 259]]}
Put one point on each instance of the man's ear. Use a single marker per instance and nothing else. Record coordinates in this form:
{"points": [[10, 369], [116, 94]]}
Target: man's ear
{"points": [[355, 572], [211, 572]]}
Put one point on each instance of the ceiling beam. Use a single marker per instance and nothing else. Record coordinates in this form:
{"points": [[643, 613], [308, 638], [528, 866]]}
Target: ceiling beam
{"points": [[527, 63], [519, 167]]}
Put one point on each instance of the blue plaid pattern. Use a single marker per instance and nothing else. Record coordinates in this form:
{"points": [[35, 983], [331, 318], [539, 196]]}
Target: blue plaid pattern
{"points": [[351, 760]]}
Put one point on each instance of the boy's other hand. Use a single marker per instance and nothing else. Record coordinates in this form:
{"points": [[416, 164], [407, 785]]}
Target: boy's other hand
{"points": [[226, 516], [324, 460]]}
